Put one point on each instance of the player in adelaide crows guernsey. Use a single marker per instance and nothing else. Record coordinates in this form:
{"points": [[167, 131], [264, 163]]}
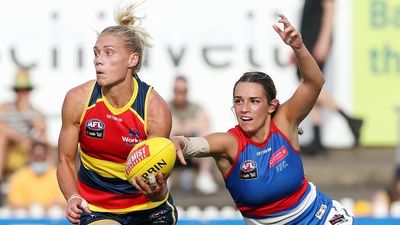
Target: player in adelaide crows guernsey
{"points": [[102, 120], [260, 157]]}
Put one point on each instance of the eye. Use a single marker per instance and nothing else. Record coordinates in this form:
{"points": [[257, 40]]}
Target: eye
{"points": [[254, 101], [109, 52], [96, 53], [237, 101]]}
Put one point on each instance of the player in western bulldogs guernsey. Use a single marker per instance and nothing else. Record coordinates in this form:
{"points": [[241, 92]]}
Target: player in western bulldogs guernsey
{"points": [[106, 118], [260, 157]]}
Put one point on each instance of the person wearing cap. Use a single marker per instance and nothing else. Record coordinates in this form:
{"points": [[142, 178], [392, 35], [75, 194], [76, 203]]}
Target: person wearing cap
{"points": [[20, 123]]}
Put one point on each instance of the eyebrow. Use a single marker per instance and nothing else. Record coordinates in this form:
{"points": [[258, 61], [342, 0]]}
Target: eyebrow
{"points": [[106, 46], [249, 97]]}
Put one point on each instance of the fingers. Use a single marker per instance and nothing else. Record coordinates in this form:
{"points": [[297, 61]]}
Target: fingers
{"points": [[155, 190], [181, 158], [73, 212], [73, 218], [288, 34], [177, 142], [142, 186], [152, 181], [84, 205]]}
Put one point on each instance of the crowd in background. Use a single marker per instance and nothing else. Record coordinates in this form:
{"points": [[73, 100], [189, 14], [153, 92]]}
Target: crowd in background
{"points": [[28, 176], [27, 163], [27, 160]]}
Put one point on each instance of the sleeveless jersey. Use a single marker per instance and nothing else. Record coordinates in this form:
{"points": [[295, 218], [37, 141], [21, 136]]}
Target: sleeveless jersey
{"points": [[106, 138], [267, 182]]}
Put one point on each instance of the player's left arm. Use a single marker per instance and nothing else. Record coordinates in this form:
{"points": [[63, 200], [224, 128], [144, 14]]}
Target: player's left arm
{"points": [[159, 119], [158, 124]]}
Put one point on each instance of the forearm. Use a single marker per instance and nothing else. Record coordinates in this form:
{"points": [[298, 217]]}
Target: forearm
{"points": [[310, 71], [67, 178], [11, 134], [193, 146]]}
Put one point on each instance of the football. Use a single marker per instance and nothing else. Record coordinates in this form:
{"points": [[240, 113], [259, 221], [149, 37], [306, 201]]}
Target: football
{"points": [[150, 157]]}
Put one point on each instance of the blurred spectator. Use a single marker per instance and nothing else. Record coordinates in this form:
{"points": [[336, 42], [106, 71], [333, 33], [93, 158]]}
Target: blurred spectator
{"points": [[190, 119], [380, 203], [395, 191], [362, 208], [20, 122], [35, 184], [316, 29]]}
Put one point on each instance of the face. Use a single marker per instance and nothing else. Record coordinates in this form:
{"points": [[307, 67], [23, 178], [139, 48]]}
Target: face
{"points": [[22, 92], [251, 107], [112, 60], [39, 153], [180, 92]]}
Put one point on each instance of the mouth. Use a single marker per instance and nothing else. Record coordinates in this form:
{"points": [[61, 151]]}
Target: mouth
{"points": [[246, 118]]}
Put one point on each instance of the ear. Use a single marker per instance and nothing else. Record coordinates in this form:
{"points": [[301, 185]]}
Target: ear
{"points": [[133, 59], [273, 105]]}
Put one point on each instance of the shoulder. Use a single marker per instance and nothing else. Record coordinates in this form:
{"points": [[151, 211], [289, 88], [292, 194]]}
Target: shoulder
{"points": [[75, 99], [236, 131], [159, 118], [158, 107], [81, 91], [4, 107], [155, 99]]}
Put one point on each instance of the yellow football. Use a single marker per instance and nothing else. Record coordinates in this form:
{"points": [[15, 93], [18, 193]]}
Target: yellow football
{"points": [[150, 157]]}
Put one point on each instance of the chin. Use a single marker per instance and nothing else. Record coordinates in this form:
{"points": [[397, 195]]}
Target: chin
{"points": [[101, 81], [247, 129]]}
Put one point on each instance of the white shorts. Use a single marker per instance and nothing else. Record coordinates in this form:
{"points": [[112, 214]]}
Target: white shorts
{"points": [[337, 215]]}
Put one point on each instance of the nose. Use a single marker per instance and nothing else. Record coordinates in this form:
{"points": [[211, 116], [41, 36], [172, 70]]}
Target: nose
{"points": [[245, 107], [98, 60]]}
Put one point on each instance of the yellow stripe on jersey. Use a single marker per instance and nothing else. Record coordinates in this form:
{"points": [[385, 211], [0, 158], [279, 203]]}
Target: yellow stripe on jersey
{"points": [[146, 206], [103, 168], [137, 115], [173, 213], [118, 111]]}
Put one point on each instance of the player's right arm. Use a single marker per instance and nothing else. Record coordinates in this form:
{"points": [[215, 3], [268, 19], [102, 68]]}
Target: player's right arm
{"points": [[72, 110], [221, 146]]}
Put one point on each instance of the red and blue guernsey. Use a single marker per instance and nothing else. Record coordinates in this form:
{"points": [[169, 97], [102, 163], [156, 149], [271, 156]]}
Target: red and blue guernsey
{"points": [[107, 135], [268, 186]]}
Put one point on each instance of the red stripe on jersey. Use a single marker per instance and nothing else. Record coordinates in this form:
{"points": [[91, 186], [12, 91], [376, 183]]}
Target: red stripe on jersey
{"points": [[120, 134], [109, 200], [277, 206]]}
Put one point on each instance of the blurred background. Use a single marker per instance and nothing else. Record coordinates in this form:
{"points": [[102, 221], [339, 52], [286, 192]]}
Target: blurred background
{"points": [[212, 43]]}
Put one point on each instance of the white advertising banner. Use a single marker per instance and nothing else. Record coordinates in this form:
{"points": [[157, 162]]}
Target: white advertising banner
{"points": [[212, 42]]}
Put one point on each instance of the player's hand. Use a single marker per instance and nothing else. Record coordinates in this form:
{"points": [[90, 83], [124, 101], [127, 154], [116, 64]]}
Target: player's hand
{"points": [[156, 189], [289, 34], [178, 142], [75, 206]]}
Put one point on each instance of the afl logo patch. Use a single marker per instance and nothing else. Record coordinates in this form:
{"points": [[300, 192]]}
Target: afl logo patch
{"points": [[95, 128], [248, 170]]}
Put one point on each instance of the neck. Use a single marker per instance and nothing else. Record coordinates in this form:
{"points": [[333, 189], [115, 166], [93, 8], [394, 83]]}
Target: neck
{"points": [[181, 105], [261, 133], [119, 95], [22, 104]]}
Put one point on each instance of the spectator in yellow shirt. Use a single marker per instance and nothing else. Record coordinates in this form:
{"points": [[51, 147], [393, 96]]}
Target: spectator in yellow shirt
{"points": [[37, 182]]}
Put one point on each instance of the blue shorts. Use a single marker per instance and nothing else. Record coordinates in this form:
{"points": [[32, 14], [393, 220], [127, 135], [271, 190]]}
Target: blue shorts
{"points": [[164, 214]]}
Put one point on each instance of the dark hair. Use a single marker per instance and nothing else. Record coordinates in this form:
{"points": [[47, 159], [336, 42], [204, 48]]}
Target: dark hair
{"points": [[261, 78], [181, 77], [38, 143]]}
